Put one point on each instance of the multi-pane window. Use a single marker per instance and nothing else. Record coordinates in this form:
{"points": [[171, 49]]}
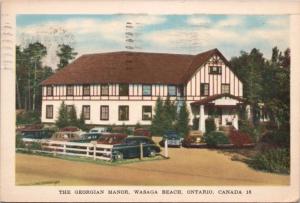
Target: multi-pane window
{"points": [[171, 90], [147, 90], [104, 90], [49, 111], [204, 89], [86, 111], [70, 90], [123, 113], [86, 90], [225, 88], [104, 112], [181, 91], [147, 112], [49, 91], [123, 89], [215, 70]]}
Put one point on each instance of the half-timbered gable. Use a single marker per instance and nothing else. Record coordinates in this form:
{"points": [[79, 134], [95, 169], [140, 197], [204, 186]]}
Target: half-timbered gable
{"points": [[212, 78]]}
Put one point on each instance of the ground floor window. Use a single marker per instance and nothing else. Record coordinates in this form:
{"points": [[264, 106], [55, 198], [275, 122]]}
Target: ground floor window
{"points": [[104, 112], [86, 110], [49, 111], [69, 108], [147, 113], [123, 113]]}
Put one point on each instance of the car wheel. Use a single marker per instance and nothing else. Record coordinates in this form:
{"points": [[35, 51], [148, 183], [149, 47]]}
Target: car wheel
{"points": [[152, 153], [119, 156]]}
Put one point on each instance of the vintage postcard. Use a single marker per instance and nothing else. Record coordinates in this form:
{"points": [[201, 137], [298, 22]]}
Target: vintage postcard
{"points": [[150, 101]]}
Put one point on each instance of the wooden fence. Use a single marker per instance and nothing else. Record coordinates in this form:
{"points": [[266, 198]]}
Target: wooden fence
{"points": [[92, 150]]}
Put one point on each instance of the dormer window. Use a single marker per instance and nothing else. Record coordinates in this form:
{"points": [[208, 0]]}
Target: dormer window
{"points": [[70, 90], [216, 70], [123, 89], [49, 91], [147, 90], [86, 90]]}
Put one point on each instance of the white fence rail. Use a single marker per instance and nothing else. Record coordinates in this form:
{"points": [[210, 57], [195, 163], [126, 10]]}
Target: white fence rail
{"points": [[95, 151]]}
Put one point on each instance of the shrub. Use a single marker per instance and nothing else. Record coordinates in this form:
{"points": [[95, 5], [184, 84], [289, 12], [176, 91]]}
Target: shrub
{"points": [[28, 117], [238, 138], [19, 141], [210, 125], [273, 160], [280, 138], [214, 138]]}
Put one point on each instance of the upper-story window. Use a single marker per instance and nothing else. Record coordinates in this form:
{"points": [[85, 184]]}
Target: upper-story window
{"points": [[225, 88], [172, 90], [86, 90], [215, 70], [123, 89], [49, 91], [147, 90], [70, 90], [204, 89], [104, 90], [180, 91]]}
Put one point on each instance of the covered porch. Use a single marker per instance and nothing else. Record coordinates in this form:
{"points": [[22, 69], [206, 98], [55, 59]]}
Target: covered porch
{"points": [[223, 108]]}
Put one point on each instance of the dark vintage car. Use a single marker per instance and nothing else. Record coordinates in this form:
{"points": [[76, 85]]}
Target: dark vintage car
{"points": [[130, 147], [36, 134], [88, 137], [194, 139], [111, 138], [173, 139], [142, 132]]}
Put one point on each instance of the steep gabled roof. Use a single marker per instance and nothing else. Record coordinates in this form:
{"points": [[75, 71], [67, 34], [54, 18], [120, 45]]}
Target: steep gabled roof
{"points": [[131, 67]]}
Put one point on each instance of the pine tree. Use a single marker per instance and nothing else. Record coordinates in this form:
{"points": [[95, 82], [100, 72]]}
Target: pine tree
{"points": [[169, 114], [62, 120], [157, 126], [72, 117], [81, 122], [182, 121]]}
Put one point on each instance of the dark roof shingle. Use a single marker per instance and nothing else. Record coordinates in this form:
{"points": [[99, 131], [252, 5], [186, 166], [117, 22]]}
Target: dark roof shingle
{"points": [[130, 67]]}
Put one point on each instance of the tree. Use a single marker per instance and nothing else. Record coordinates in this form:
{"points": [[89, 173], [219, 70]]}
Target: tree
{"points": [[182, 120], [169, 114], [29, 73], [157, 125], [81, 122], [250, 68], [72, 116], [65, 54], [62, 120]]}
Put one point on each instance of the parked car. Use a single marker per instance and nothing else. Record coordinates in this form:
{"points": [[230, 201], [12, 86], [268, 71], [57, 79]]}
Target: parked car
{"points": [[98, 130], [36, 134], [130, 147], [111, 138], [193, 139], [88, 137], [173, 139], [66, 136], [70, 129], [142, 132]]}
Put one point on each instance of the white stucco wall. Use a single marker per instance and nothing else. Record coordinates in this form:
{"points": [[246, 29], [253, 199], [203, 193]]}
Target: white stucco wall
{"points": [[135, 111]]}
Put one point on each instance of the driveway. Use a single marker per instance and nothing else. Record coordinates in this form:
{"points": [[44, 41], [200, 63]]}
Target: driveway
{"points": [[185, 167]]}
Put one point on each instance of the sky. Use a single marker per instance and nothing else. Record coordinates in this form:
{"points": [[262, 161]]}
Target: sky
{"points": [[183, 34]]}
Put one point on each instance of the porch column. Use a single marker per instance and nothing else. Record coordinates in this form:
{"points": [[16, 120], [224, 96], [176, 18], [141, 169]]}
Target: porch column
{"points": [[201, 119], [235, 121]]}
